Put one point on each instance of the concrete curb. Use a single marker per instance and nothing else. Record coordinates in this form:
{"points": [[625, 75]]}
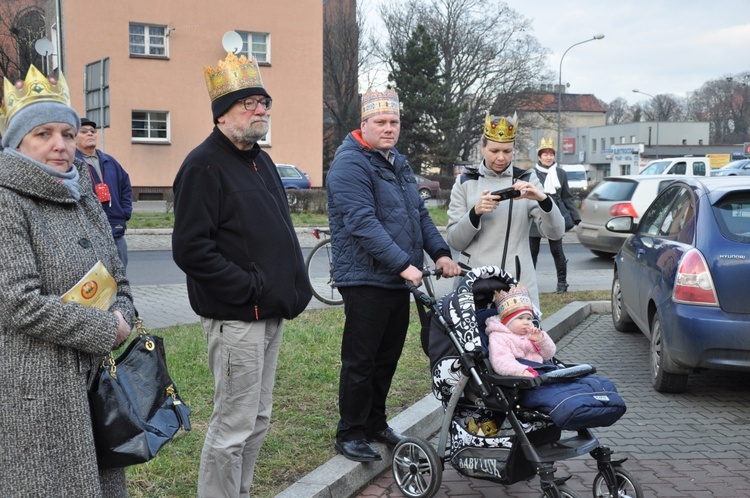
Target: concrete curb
{"points": [[339, 477]]}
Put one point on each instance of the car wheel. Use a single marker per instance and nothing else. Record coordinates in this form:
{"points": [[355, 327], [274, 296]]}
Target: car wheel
{"points": [[620, 317], [424, 193], [602, 254], [663, 382]]}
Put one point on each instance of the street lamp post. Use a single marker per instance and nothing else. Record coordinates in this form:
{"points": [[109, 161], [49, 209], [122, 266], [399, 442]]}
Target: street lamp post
{"points": [[656, 109], [559, 95]]}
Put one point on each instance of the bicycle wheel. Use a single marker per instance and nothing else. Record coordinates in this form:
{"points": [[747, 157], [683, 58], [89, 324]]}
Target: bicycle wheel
{"points": [[319, 265]]}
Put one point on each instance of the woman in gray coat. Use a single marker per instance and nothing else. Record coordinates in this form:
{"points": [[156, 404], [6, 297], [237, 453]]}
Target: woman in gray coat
{"points": [[484, 229], [54, 230]]}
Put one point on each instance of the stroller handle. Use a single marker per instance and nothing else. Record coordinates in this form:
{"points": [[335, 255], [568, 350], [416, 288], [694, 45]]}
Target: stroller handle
{"points": [[427, 299]]}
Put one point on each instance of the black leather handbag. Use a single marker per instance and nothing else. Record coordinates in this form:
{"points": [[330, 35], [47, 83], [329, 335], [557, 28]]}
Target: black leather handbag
{"points": [[135, 407]]}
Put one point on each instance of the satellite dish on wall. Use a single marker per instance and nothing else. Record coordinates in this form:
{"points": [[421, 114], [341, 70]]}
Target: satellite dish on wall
{"points": [[43, 47], [232, 42]]}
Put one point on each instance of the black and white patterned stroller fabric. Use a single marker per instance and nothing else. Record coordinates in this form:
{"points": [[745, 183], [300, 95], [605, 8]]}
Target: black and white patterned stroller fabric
{"points": [[477, 434]]}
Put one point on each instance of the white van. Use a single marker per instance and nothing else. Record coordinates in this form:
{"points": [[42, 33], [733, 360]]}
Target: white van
{"points": [[689, 166], [578, 180]]}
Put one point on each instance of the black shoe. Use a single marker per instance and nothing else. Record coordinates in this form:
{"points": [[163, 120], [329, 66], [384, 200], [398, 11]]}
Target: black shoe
{"points": [[387, 436], [561, 287], [358, 450]]}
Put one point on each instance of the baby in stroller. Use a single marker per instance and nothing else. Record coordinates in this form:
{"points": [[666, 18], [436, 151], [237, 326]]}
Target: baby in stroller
{"points": [[485, 432], [513, 335]]}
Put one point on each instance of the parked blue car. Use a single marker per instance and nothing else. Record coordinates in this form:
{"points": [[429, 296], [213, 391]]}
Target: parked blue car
{"points": [[683, 278], [292, 177]]}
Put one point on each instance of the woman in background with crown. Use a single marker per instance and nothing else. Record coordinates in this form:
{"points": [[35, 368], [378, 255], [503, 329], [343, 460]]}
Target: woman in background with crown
{"points": [[54, 230], [488, 231], [555, 181]]}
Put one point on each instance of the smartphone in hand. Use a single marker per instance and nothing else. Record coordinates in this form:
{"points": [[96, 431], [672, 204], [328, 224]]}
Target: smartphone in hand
{"points": [[507, 193]]}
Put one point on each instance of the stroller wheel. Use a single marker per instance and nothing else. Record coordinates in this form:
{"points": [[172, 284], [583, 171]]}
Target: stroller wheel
{"points": [[627, 485], [417, 468]]}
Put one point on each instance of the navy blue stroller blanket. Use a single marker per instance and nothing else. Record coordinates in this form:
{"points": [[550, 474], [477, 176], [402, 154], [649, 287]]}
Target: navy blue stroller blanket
{"points": [[583, 403]]}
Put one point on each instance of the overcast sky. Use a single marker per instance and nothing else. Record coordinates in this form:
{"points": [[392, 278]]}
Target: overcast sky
{"points": [[656, 46]]}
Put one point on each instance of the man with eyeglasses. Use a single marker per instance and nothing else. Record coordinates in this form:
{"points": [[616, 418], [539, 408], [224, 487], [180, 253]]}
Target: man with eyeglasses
{"points": [[234, 239], [111, 184]]}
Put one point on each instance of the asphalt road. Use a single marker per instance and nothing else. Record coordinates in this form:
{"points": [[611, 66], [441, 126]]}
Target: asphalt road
{"points": [[158, 268]]}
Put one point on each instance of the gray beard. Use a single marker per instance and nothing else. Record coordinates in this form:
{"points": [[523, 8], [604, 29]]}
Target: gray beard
{"points": [[247, 136]]}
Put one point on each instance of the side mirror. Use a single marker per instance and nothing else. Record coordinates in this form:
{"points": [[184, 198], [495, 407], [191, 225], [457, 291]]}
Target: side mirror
{"points": [[621, 224]]}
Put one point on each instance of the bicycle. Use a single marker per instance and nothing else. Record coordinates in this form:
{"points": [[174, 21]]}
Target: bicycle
{"points": [[319, 264]]}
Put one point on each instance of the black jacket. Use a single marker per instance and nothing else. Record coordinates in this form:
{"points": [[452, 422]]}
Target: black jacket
{"points": [[233, 236]]}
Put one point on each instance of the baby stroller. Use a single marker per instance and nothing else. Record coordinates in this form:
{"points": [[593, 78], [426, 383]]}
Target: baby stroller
{"points": [[485, 433]]}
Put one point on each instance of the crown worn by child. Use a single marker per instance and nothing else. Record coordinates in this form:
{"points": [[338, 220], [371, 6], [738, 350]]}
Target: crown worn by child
{"points": [[512, 335]]}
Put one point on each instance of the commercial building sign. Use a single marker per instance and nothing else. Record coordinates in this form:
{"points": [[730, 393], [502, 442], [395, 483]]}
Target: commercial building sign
{"points": [[747, 149], [569, 145]]}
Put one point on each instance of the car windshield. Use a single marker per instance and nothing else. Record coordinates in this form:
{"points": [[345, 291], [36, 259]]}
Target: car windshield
{"points": [[287, 172], [576, 176], [734, 165], [733, 215], [613, 191], [656, 168]]}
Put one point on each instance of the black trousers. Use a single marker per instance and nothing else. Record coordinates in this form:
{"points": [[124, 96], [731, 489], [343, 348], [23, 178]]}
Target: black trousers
{"points": [[374, 336], [556, 248]]}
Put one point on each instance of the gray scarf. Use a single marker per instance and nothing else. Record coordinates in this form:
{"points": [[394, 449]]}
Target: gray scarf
{"points": [[69, 179]]}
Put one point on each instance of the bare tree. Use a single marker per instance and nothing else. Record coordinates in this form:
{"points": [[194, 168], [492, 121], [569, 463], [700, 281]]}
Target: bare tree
{"points": [[618, 111], [663, 107], [21, 25], [487, 56], [725, 104], [345, 56]]}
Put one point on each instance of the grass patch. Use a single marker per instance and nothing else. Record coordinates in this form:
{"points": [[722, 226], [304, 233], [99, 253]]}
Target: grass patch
{"points": [[166, 220], [305, 400]]}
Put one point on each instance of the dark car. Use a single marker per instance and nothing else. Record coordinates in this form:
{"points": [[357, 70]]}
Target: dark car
{"points": [[682, 278], [741, 167], [292, 177], [427, 188]]}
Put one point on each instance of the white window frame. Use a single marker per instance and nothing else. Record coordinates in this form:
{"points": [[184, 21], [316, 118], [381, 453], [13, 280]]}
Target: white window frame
{"points": [[248, 43], [266, 141], [151, 131], [149, 40]]}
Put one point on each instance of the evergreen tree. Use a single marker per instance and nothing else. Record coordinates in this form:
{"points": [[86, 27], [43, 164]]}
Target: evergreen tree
{"points": [[425, 116]]}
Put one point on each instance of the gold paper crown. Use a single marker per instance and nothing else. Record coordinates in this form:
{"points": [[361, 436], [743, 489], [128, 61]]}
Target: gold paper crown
{"points": [[513, 303], [374, 102], [503, 131], [36, 88], [232, 74], [546, 143]]}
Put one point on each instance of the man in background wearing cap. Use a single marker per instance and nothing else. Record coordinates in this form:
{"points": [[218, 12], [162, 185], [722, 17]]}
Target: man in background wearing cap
{"points": [[234, 239], [380, 230], [111, 184]]}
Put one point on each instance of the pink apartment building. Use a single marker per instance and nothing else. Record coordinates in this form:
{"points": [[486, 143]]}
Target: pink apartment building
{"points": [[154, 54]]}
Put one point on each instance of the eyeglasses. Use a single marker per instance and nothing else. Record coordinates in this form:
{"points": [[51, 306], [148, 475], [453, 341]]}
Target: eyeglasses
{"points": [[250, 104], [87, 131]]}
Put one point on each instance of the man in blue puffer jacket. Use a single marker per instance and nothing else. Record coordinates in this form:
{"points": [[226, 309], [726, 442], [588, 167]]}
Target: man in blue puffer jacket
{"points": [[380, 230]]}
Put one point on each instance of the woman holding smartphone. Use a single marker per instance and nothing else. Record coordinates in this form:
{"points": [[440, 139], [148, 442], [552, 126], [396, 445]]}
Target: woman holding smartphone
{"points": [[489, 231]]}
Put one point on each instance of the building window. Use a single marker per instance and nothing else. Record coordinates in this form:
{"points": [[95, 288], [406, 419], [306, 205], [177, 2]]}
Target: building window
{"points": [[266, 141], [622, 140], [148, 40], [150, 127], [632, 139], [604, 144], [611, 140], [593, 145], [259, 44]]}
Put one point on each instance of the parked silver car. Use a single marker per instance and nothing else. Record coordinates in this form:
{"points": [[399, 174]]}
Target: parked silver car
{"points": [[739, 167], [627, 195]]}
